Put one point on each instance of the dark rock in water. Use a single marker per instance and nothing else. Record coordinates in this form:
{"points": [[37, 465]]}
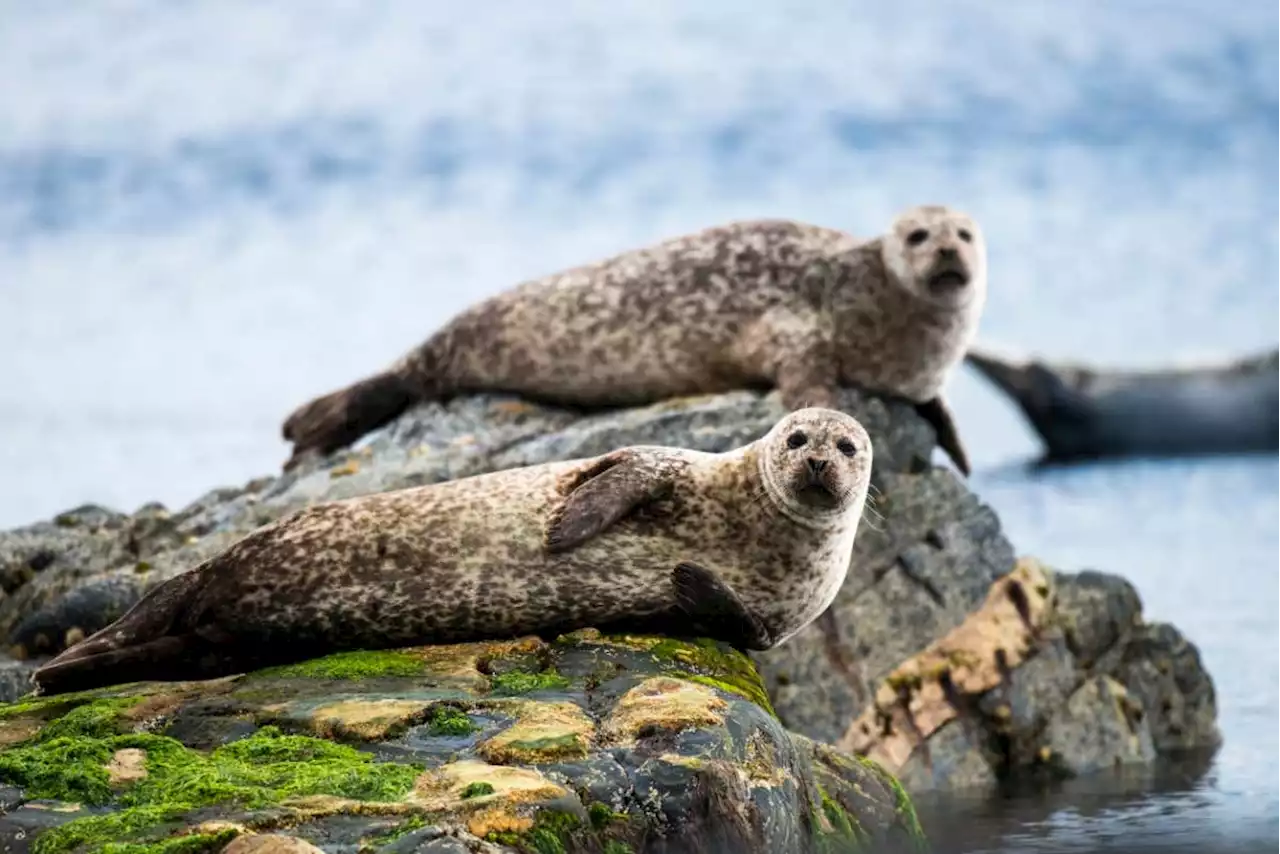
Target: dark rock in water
{"points": [[396, 751], [929, 558]]}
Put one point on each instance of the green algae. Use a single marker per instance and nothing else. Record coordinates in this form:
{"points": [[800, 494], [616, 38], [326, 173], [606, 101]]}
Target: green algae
{"points": [[710, 663], [446, 720], [416, 822], [99, 831], [67, 761], [195, 843], [613, 846], [40, 706], [358, 664], [902, 801], [555, 832], [551, 748], [602, 815], [518, 682], [846, 832], [477, 790]]}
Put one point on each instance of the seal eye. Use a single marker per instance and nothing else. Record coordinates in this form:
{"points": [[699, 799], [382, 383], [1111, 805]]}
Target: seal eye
{"points": [[846, 447], [965, 235], [917, 237], [796, 440]]}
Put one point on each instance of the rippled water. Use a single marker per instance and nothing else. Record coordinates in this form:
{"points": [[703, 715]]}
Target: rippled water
{"points": [[210, 211]]}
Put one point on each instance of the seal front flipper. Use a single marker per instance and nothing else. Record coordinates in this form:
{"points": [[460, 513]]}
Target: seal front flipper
{"points": [[716, 609], [339, 418], [939, 416], [604, 493]]}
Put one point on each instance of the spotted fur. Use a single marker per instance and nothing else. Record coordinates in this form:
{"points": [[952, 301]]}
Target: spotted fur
{"points": [[774, 521], [766, 303]]}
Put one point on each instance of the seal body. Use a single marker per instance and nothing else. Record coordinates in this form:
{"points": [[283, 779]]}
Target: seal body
{"points": [[538, 549], [765, 303], [1084, 413]]}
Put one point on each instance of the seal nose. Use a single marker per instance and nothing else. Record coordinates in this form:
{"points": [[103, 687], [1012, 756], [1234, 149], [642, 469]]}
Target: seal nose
{"points": [[947, 253], [816, 466]]}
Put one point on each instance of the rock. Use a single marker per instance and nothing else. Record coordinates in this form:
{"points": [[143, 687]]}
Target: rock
{"points": [[1004, 695], [269, 843], [619, 743], [928, 559]]}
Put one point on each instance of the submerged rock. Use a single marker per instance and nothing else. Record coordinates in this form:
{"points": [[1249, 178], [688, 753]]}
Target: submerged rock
{"points": [[928, 556], [587, 744]]}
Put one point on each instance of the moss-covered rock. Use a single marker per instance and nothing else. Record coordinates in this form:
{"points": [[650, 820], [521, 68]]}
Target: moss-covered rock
{"points": [[618, 745], [922, 571]]}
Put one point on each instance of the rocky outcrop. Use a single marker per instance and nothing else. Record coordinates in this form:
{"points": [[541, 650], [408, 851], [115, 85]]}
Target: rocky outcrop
{"points": [[587, 744], [961, 682]]}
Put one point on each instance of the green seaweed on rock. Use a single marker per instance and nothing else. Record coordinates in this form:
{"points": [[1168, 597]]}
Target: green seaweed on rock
{"points": [[67, 761], [359, 664]]}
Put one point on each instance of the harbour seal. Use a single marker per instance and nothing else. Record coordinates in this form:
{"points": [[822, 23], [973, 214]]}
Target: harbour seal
{"points": [[1086, 413], [747, 546], [763, 303]]}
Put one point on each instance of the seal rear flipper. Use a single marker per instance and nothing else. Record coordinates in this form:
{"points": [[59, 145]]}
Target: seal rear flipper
{"points": [[339, 418], [604, 493], [716, 609], [938, 414], [155, 615], [166, 659]]}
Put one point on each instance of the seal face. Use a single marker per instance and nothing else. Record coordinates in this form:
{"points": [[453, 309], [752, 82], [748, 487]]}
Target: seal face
{"points": [[748, 546], [939, 255], [756, 304]]}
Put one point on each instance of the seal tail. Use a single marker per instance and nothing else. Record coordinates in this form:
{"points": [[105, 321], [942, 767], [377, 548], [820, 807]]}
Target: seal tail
{"points": [[1009, 378], [339, 418]]}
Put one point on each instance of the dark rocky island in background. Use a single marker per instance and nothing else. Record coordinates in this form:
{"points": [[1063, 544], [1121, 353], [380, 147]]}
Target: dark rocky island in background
{"points": [[946, 659]]}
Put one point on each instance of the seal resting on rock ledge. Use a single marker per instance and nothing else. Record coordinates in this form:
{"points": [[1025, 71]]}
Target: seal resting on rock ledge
{"points": [[765, 303], [1086, 413], [747, 546]]}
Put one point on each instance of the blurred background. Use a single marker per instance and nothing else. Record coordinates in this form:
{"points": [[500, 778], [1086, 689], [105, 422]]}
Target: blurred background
{"points": [[212, 211]]}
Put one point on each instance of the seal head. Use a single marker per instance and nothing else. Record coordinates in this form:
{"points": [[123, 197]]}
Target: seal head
{"points": [[938, 255], [816, 466]]}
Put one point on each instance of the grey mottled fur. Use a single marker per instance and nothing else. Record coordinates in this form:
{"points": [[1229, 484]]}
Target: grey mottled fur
{"points": [[554, 546], [765, 303]]}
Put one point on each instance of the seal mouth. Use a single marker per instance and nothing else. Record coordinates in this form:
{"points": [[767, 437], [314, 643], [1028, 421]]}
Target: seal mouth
{"points": [[948, 279], [817, 494]]}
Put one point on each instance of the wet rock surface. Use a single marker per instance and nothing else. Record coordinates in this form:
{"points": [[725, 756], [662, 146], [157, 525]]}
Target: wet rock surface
{"points": [[590, 743], [929, 557]]}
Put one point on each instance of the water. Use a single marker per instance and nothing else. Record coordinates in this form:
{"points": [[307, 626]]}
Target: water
{"points": [[211, 211]]}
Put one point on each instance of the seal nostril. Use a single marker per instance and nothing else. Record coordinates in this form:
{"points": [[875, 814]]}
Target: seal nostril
{"points": [[947, 252], [816, 465]]}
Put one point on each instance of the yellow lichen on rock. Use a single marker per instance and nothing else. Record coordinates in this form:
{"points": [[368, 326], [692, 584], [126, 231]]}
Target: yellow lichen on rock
{"points": [[127, 766], [971, 659], [663, 703], [269, 843], [544, 732], [497, 820], [451, 786], [365, 719], [459, 665]]}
